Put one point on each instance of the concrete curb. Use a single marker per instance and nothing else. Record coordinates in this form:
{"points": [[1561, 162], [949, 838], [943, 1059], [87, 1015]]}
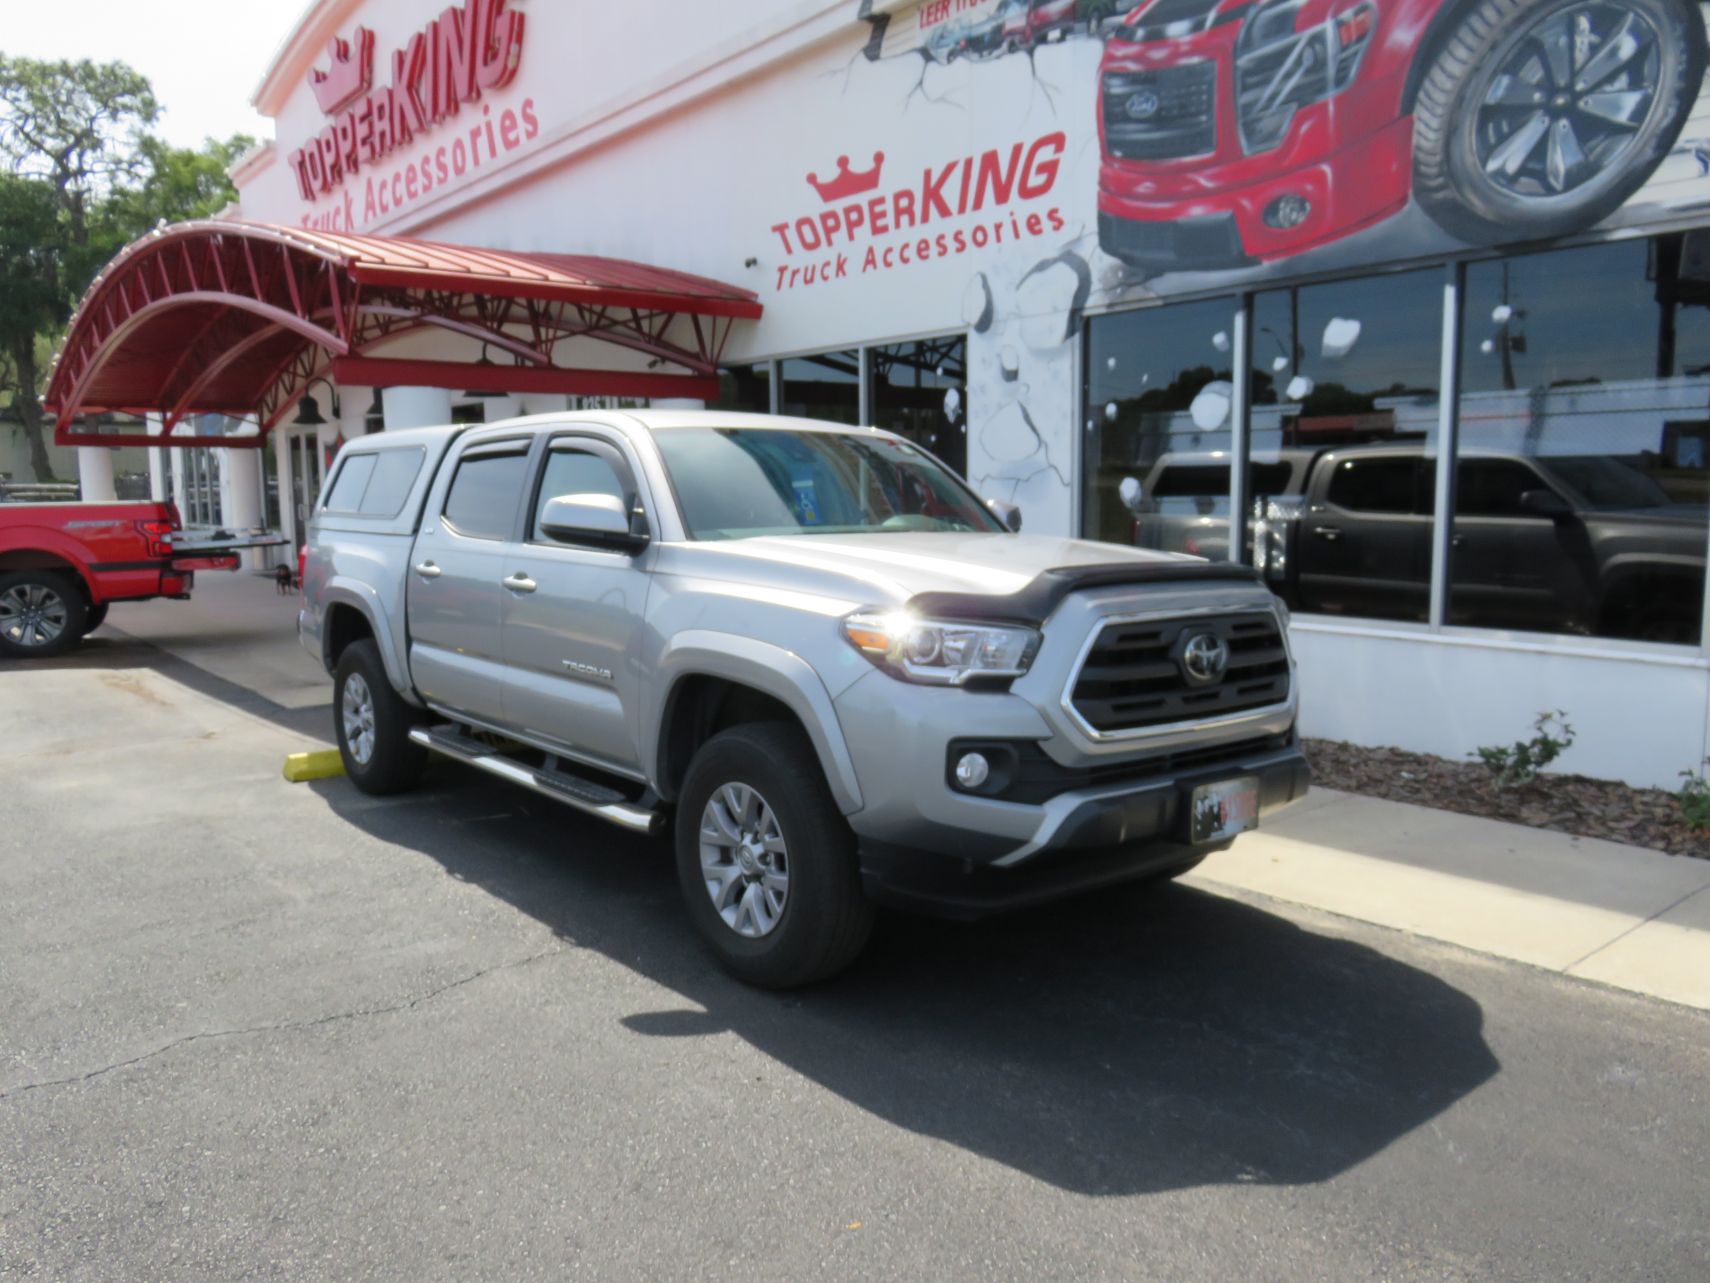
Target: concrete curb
{"points": [[1624, 916]]}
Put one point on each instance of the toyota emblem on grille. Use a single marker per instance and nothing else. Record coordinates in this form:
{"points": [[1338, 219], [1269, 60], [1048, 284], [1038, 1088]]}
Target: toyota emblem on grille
{"points": [[1144, 104], [1205, 658]]}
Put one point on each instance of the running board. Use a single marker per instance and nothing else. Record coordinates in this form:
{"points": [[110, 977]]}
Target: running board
{"points": [[560, 786]]}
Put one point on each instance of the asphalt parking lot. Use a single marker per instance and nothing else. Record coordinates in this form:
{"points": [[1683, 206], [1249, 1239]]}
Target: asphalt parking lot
{"points": [[256, 1030]]}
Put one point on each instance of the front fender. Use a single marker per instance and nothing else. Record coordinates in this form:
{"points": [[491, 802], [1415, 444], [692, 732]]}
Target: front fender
{"points": [[363, 598], [772, 670]]}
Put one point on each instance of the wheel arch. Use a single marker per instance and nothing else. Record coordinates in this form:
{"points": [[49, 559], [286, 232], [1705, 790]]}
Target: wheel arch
{"points": [[1444, 22], [40, 559], [349, 612], [715, 680]]}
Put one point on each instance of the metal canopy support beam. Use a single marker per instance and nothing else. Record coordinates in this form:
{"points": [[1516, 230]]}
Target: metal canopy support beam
{"points": [[381, 373]]}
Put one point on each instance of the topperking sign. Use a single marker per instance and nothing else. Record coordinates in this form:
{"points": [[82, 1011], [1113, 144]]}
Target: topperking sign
{"points": [[467, 51]]}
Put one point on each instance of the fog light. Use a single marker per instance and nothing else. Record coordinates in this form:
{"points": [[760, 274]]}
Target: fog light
{"points": [[1287, 211], [972, 770]]}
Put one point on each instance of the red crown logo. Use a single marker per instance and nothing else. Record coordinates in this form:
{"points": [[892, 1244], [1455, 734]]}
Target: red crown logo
{"points": [[349, 77], [848, 183]]}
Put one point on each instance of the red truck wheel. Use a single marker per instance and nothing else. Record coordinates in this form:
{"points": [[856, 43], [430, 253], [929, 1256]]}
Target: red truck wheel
{"points": [[1538, 118], [41, 614]]}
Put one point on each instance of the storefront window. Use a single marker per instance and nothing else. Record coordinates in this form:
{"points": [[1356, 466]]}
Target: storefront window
{"points": [[1345, 408], [745, 388], [1158, 429], [826, 387], [1585, 424], [920, 392]]}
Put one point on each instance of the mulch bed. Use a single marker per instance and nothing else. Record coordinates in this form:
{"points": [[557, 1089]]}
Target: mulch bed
{"points": [[1565, 803]]}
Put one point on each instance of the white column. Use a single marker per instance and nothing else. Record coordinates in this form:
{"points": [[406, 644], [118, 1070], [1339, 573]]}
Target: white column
{"points": [[159, 470], [353, 406], [95, 474], [241, 487], [179, 494], [416, 407]]}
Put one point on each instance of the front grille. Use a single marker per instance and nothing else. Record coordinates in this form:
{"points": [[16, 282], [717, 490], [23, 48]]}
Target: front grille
{"points": [[1161, 115], [1134, 678]]}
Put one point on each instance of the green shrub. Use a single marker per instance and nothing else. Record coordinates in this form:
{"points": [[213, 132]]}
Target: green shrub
{"points": [[1695, 798], [1521, 762]]}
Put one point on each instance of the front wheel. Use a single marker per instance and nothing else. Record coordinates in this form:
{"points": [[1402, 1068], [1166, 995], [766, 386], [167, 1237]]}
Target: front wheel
{"points": [[42, 614], [373, 724], [766, 862], [1538, 118]]}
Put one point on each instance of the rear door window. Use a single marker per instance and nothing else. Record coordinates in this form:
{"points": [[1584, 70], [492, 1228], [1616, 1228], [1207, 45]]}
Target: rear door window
{"points": [[1375, 485], [486, 494]]}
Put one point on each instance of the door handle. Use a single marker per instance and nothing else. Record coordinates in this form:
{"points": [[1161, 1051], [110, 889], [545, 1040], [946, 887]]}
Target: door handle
{"points": [[1329, 534], [427, 570], [520, 582]]}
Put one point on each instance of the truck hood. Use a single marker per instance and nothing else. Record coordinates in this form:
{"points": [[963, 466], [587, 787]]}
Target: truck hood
{"points": [[888, 569]]}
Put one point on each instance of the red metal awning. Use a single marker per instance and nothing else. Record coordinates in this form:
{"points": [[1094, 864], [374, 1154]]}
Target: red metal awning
{"points": [[238, 318]]}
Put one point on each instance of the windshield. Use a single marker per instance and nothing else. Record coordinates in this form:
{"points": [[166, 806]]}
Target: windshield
{"points": [[1607, 483], [736, 483]]}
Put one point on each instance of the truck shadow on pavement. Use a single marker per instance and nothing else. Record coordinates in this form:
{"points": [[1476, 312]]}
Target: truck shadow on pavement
{"points": [[1127, 1043]]}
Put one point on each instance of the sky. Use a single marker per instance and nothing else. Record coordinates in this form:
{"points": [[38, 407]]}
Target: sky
{"points": [[204, 57]]}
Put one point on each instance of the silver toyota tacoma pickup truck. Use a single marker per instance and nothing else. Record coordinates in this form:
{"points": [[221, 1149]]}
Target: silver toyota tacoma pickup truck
{"points": [[811, 651]]}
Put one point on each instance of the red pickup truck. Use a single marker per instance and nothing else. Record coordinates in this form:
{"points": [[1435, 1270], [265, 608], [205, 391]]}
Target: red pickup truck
{"points": [[62, 564]]}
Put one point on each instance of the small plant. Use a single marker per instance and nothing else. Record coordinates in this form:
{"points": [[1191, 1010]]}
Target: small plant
{"points": [[1520, 763], [1695, 799]]}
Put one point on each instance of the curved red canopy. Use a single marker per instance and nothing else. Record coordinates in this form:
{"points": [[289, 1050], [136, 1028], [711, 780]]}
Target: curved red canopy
{"points": [[238, 318]]}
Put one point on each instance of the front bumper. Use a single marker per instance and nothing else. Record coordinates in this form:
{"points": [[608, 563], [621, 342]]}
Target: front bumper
{"points": [[1122, 811], [1088, 840], [1349, 157]]}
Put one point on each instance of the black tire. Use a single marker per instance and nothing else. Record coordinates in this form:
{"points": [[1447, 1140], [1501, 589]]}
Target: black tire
{"points": [[1450, 181], [42, 614], [96, 617], [389, 762], [825, 918]]}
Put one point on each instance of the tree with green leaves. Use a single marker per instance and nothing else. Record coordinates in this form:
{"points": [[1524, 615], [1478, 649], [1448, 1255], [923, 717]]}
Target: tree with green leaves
{"points": [[80, 177]]}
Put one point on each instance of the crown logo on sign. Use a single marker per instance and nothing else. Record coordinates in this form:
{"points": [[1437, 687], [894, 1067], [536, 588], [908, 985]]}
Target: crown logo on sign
{"points": [[847, 183], [349, 77]]}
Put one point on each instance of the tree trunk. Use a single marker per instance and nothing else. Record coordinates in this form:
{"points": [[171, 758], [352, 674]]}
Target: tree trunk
{"points": [[30, 412]]}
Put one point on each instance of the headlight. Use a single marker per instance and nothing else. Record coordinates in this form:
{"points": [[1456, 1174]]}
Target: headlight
{"points": [[1278, 69], [940, 652]]}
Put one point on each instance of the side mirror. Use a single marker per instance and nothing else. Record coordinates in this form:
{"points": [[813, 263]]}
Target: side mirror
{"points": [[596, 520], [1545, 503], [1006, 512]]}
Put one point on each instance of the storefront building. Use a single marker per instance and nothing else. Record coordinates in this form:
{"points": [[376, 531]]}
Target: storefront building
{"points": [[1405, 301]]}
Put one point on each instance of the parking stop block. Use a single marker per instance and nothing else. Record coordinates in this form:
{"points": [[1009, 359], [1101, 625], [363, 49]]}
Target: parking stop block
{"points": [[300, 768]]}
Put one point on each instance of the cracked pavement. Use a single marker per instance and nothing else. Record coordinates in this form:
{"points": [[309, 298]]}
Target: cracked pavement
{"points": [[256, 1030]]}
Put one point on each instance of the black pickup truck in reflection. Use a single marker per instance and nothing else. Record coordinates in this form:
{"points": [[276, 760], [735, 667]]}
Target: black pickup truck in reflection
{"points": [[1562, 543]]}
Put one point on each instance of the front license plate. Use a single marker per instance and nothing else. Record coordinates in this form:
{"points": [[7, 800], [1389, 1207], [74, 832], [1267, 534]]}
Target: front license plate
{"points": [[1224, 809]]}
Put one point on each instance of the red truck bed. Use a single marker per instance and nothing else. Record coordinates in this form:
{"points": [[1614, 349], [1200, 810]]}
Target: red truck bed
{"points": [[62, 563]]}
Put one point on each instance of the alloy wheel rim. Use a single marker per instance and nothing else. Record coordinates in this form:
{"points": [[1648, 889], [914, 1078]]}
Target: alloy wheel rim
{"points": [[1569, 97], [358, 714], [32, 615], [745, 863]]}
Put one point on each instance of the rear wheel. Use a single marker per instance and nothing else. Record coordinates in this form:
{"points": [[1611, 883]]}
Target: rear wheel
{"points": [[42, 614], [766, 862], [373, 724], [96, 617], [1541, 117]]}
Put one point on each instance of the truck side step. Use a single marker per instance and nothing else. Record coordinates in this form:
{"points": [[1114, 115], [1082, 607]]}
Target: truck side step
{"points": [[559, 785]]}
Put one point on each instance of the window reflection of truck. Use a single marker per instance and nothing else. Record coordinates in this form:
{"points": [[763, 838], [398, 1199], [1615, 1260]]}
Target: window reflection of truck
{"points": [[1579, 543]]}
